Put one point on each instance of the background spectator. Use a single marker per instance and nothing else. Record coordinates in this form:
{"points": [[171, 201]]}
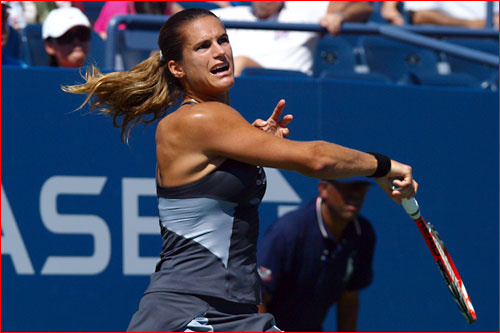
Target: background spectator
{"points": [[390, 12], [17, 14], [43, 8], [5, 23], [222, 4], [67, 34], [291, 50], [288, 50], [113, 8], [471, 14], [7, 60], [316, 256], [35, 12], [345, 11]]}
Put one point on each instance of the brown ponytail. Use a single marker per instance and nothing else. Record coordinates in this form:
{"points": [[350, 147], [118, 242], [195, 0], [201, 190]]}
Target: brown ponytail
{"points": [[144, 93]]}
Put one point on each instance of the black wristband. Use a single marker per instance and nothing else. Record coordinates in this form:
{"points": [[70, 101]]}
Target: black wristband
{"points": [[383, 165]]}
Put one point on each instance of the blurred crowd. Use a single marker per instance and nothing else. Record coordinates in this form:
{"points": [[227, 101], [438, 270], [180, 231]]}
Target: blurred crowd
{"points": [[69, 29]]}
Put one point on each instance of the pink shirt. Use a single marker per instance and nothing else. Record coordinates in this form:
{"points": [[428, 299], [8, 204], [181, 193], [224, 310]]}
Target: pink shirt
{"points": [[113, 8]]}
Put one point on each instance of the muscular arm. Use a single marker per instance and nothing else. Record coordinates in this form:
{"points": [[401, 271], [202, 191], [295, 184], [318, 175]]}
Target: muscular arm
{"points": [[436, 17], [224, 132], [347, 311], [214, 130]]}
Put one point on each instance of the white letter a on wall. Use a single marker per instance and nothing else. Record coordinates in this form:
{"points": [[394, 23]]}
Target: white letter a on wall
{"points": [[12, 241]]}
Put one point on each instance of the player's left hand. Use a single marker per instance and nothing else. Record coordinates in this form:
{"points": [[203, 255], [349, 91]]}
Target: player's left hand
{"points": [[273, 125]]}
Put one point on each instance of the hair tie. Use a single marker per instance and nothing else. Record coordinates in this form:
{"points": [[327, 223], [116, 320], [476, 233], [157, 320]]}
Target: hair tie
{"points": [[162, 58]]}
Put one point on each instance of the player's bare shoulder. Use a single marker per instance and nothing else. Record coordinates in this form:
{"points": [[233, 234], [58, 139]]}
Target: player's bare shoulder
{"points": [[193, 121], [209, 114], [212, 109]]}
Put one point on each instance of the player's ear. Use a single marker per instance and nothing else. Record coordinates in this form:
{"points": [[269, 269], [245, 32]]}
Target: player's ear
{"points": [[176, 69]]}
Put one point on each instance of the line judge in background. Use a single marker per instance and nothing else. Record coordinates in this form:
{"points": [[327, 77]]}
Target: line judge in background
{"points": [[316, 256]]}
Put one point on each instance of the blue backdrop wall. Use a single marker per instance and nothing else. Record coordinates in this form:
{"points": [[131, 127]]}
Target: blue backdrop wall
{"points": [[79, 226]]}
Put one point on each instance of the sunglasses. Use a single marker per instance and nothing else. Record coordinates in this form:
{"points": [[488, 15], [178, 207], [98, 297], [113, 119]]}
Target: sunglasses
{"points": [[82, 34]]}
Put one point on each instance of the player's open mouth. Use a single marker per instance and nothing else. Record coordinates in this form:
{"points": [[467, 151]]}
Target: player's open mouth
{"points": [[220, 69]]}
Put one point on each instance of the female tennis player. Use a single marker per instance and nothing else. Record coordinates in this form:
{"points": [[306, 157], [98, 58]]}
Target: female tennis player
{"points": [[210, 179]]}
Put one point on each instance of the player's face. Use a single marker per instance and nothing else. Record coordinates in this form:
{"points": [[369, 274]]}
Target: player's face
{"points": [[207, 65], [345, 199]]}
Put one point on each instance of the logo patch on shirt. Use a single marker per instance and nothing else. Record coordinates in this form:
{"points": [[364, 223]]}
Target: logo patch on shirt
{"points": [[266, 275], [261, 177]]}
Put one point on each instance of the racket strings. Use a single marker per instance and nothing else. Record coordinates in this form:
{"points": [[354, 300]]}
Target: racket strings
{"points": [[450, 275]]}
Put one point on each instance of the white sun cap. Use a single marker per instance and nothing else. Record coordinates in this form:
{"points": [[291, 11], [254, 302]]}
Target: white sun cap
{"points": [[60, 20]]}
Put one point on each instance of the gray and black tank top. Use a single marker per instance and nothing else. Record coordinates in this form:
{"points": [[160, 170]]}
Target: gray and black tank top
{"points": [[209, 230]]}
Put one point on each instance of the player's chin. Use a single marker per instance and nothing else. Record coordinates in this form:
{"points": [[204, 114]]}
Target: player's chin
{"points": [[223, 85], [227, 81]]}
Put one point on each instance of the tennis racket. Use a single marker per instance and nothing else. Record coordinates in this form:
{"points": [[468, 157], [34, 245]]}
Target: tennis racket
{"points": [[443, 260]]}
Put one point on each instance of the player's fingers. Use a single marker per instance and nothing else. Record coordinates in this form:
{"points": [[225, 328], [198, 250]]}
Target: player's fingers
{"points": [[394, 195], [259, 123], [403, 189], [396, 199], [389, 188], [401, 183], [284, 132], [414, 189], [286, 120], [278, 110]]}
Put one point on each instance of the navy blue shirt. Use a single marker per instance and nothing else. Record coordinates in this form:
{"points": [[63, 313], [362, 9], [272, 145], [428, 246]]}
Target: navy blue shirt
{"points": [[305, 270]]}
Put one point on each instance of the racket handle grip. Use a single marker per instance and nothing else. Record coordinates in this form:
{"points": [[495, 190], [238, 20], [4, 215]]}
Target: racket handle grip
{"points": [[411, 207]]}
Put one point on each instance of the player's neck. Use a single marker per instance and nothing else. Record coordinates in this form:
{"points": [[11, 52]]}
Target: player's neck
{"points": [[200, 98]]}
